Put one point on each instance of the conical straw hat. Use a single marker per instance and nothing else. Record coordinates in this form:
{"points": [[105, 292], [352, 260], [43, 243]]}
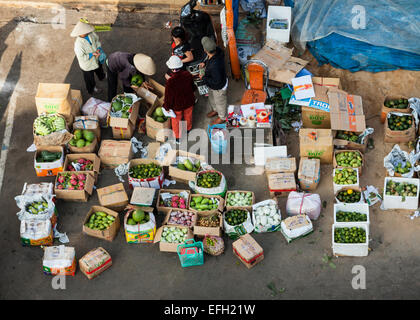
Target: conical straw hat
{"points": [[81, 28], [144, 64]]}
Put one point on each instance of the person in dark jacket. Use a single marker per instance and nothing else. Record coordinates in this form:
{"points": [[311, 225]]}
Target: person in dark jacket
{"points": [[216, 79], [179, 95], [124, 65]]}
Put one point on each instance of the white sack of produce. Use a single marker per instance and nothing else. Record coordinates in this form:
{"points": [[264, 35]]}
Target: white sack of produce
{"points": [[266, 216], [35, 206], [237, 222], [296, 227], [304, 203], [97, 107], [401, 162]]}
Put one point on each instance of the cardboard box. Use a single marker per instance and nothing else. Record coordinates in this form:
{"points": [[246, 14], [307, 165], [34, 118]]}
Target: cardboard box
{"points": [[179, 174], [95, 262], [54, 139], [88, 156], [168, 215], [248, 250], [155, 182], [123, 133], [76, 195], [314, 118], [346, 111], [91, 148], [309, 173], [54, 98], [349, 145], [274, 165], [143, 196], [154, 97], [47, 169], [59, 260], [107, 234], [341, 151], [77, 102], [114, 152], [163, 209], [157, 130], [220, 207], [385, 110], [400, 136], [351, 249], [153, 150], [211, 231], [113, 197], [144, 233], [249, 208], [88, 122], [124, 122], [316, 143], [170, 247], [281, 184]]}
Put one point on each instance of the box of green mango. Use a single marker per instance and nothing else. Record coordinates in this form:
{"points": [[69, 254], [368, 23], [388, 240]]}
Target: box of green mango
{"points": [[345, 178], [206, 204], [124, 109], [101, 222], [183, 165], [239, 199], [348, 159]]}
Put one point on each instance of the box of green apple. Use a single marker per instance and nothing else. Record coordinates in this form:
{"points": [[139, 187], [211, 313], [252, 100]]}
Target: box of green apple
{"points": [[239, 199], [206, 204]]}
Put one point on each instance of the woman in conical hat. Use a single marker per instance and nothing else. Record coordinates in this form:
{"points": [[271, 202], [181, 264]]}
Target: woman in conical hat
{"points": [[89, 54]]}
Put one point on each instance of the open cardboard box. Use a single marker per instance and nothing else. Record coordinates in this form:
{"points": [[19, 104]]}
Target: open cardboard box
{"points": [[113, 197], [166, 246], [211, 231], [125, 122], [395, 136], [107, 234], [90, 123], [335, 165], [75, 195], [155, 182], [220, 207], [123, 133], [152, 97], [249, 208], [143, 234], [46, 169], [54, 98], [115, 152], [179, 174], [88, 156], [163, 209], [349, 145], [168, 215], [386, 110], [157, 130], [91, 148]]}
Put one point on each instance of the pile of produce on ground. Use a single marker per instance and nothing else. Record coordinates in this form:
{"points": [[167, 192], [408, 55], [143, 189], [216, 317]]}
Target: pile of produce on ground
{"points": [[399, 123], [349, 196], [266, 216], [349, 235], [211, 221], [82, 138], [200, 203], [81, 164], [348, 159], [137, 80], [158, 115], [138, 217], [397, 103], [37, 207], [350, 216], [345, 176], [174, 235], [236, 217], [209, 180], [121, 106], [183, 218], [47, 156], [402, 189], [47, 124], [347, 135], [188, 165], [144, 171], [71, 181], [174, 201], [239, 199], [100, 221]]}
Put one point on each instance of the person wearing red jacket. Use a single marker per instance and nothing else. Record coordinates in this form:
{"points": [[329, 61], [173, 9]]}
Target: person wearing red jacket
{"points": [[179, 95]]}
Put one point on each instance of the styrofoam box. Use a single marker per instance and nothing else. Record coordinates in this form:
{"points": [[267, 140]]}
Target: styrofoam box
{"points": [[351, 249], [395, 202], [352, 207], [279, 12], [338, 187]]}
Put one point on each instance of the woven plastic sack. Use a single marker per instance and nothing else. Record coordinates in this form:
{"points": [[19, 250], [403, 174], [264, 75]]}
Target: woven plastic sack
{"points": [[304, 203]]}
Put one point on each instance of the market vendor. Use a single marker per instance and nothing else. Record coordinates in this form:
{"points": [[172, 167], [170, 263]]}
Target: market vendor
{"points": [[124, 65], [179, 95], [180, 47], [90, 55], [216, 79]]}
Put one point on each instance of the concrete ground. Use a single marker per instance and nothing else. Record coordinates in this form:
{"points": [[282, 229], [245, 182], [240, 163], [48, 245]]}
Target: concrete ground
{"points": [[33, 50]]}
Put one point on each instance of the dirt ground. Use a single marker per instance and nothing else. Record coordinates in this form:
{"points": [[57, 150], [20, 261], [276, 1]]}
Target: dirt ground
{"points": [[32, 51]]}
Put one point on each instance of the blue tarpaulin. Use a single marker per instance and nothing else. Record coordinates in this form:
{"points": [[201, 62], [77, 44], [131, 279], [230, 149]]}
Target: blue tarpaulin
{"points": [[373, 35]]}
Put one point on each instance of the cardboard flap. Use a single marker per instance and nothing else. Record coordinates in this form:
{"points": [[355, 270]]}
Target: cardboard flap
{"points": [[158, 235], [152, 150], [346, 111], [115, 148], [169, 158], [90, 181], [113, 194]]}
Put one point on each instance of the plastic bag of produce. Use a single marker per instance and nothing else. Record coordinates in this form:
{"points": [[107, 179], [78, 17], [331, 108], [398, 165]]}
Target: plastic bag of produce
{"points": [[372, 196], [213, 245], [35, 206], [38, 188], [136, 231], [266, 216], [401, 163], [219, 190], [304, 203], [99, 108], [237, 222], [296, 227], [59, 260], [36, 232]]}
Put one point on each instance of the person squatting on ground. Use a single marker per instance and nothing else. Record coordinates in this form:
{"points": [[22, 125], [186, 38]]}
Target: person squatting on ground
{"points": [[179, 95], [124, 65], [216, 79], [89, 53]]}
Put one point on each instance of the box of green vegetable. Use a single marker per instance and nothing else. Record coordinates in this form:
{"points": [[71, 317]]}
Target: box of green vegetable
{"points": [[145, 173], [399, 127], [345, 178], [48, 160], [206, 204], [101, 222], [394, 103], [401, 193], [124, 110], [350, 239], [211, 182], [237, 222], [239, 199], [169, 237], [351, 212]]}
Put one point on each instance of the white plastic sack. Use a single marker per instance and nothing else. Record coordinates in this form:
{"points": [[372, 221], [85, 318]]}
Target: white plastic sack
{"points": [[99, 108], [23, 201], [264, 218], [398, 156], [296, 227], [34, 230], [38, 188], [235, 232], [58, 257], [220, 190], [304, 203], [118, 114]]}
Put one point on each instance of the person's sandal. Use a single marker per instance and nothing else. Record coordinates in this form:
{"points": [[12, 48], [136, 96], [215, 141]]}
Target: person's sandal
{"points": [[211, 114]]}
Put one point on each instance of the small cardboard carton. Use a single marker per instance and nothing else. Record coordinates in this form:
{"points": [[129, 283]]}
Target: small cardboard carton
{"points": [[88, 156], [76, 195], [349, 145], [88, 122], [91, 148], [107, 234], [335, 165], [394, 136], [170, 247], [123, 133], [153, 97], [143, 196], [95, 262], [211, 231], [179, 174], [124, 122], [160, 205], [282, 183], [220, 207], [157, 130], [47, 169], [274, 165], [139, 233], [155, 182], [249, 208], [309, 173], [248, 250], [77, 101], [168, 216], [54, 98], [113, 197], [114, 152], [386, 110], [316, 143], [59, 260]]}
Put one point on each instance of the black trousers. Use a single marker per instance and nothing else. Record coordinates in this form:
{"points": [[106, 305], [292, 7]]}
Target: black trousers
{"points": [[89, 77], [113, 84]]}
